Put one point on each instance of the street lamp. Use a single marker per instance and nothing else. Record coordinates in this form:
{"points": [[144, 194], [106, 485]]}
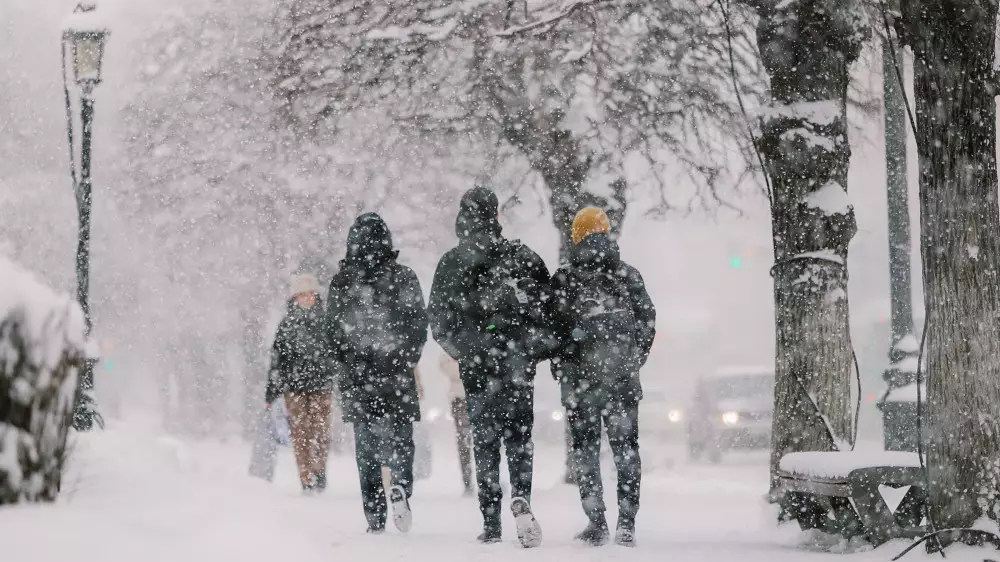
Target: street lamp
{"points": [[83, 40]]}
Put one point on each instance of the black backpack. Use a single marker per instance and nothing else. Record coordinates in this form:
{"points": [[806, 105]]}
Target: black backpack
{"points": [[604, 327], [371, 318], [497, 298]]}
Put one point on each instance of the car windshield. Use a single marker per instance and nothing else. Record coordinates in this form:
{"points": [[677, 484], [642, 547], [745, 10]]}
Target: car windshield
{"points": [[741, 386]]}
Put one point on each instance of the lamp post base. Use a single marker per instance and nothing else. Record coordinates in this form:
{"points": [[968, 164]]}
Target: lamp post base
{"points": [[85, 413], [900, 426]]}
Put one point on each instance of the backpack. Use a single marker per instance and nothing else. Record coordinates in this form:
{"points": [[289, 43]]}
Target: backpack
{"points": [[604, 329], [498, 298], [369, 325]]}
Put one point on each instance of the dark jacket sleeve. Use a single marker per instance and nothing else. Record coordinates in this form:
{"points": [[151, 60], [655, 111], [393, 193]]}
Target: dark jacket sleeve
{"points": [[541, 342], [277, 372], [413, 315], [560, 309], [335, 334], [443, 311], [644, 311]]}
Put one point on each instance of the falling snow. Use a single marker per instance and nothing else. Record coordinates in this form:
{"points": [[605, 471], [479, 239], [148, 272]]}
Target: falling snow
{"points": [[238, 147]]}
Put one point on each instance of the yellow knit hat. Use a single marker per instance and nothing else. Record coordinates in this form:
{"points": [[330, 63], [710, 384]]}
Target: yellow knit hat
{"points": [[590, 220]]}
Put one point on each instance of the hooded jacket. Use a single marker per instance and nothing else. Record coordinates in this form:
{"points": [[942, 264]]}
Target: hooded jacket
{"points": [[598, 252], [489, 293], [377, 325], [300, 358]]}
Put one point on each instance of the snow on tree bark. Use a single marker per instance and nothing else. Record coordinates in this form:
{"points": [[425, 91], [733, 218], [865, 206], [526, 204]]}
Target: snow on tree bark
{"points": [[42, 350], [807, 47], [953, 46]]}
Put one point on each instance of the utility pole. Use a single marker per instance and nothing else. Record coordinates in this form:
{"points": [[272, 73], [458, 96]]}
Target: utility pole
{"points": [[898, 404]]}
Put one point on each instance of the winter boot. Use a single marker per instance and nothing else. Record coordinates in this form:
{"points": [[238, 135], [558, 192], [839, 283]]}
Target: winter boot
{"points": [[491, 534], [529, 532], [595, 533], [309, 487], [625, 536], [320, 482], [402, 517], [375, 530]]}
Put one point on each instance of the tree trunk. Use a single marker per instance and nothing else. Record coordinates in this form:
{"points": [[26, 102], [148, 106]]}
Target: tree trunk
{"points": [[564, 164], [807, 47], [953, 45]]}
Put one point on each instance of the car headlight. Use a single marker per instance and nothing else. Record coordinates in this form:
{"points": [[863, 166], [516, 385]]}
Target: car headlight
{"points": [[730, 418], [675, 416], [433, 414], [557, 415]]}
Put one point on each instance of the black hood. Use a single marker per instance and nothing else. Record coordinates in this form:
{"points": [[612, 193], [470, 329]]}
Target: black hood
{"points": [[477, 215], [597, 251], [369, 241]]}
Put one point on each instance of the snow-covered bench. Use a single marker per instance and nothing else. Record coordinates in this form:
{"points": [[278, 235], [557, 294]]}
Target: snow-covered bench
{"points": [[846, 492]]}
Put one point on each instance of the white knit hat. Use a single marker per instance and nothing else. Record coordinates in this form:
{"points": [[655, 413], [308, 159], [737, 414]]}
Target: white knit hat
{"points": [[304, 283]]}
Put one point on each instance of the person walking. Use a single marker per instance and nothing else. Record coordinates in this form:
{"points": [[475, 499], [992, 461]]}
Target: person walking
{"points": [[459, 413], [487, 312], [302, 369], [605, 322], [377, 328]]}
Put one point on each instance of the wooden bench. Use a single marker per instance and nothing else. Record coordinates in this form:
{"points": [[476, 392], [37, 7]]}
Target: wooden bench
{"points": [[841, 493]]}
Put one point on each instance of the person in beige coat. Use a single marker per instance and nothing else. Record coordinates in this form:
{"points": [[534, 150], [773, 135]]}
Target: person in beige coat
{"points": [[460, 413]]}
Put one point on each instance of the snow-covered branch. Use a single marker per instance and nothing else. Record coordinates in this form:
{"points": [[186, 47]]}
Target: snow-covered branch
{"points": [[549, 20]]}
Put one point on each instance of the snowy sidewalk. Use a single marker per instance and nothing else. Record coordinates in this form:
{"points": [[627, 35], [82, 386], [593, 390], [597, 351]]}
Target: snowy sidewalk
{"points": [[134, 496]]}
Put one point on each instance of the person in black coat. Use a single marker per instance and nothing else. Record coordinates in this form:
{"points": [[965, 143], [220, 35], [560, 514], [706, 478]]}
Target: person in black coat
{"points": [[487, 313], [377, 327], [605, 322], [303, 370]]}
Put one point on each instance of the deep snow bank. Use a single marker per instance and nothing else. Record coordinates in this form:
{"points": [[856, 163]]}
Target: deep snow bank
{"points": [[42, 345]]}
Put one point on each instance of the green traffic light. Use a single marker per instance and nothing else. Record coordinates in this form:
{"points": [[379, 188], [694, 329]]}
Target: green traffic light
{"points": [[735, 262]]}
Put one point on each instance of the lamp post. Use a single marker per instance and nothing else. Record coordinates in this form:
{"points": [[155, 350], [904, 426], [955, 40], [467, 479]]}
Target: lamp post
{"points": [[83, 41], [898, 404]]}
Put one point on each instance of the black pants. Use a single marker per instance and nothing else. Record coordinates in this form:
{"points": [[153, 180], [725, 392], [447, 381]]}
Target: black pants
{"points": [[463, 438], [502, 417], [386, 442], [622, 422]]}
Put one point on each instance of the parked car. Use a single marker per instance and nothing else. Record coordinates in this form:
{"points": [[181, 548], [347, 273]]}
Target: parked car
{"points": [[731, 409]]}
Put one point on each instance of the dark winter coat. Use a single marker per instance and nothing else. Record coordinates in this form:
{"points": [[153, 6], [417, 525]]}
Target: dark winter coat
{"points": [[377, 326], [300, 357], [489, 296], [598, 253]]}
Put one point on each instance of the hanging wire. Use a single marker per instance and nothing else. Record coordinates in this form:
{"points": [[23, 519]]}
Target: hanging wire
{"points": [[739, 100]]}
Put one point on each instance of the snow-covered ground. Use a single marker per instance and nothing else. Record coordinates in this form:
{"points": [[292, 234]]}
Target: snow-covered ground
{"points": [[137, 495]]}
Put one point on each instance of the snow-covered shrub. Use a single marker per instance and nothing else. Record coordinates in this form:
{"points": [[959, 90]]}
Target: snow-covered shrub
{"points": [[42, 347]]}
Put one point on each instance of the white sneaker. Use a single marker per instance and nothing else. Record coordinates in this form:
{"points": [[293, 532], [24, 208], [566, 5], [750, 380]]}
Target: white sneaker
{"points": [[529, 532], [402, 517]]}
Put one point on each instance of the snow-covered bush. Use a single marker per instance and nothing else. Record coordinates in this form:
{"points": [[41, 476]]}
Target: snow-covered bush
{"points": [[42, 347]]}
